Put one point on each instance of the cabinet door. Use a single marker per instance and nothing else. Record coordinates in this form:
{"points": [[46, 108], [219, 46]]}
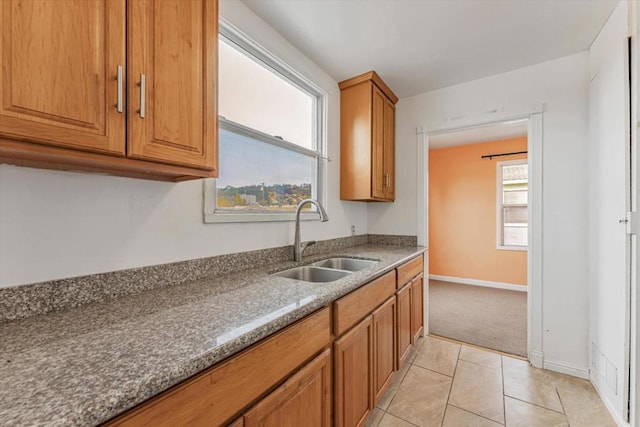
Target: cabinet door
{"points": [[303, 400], [389, 149], [417, 312], [172, 78], [60, 61], [354, 376], [377, 145], [403, 301], [384, 346]]}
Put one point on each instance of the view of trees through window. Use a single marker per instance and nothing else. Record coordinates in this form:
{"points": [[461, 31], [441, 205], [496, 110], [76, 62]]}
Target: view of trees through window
{"points": [[261, 176]]}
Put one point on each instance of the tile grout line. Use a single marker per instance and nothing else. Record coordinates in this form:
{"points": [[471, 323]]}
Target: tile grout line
{"points": [[400, 418], [399, 384], [483, 366], [535, 404], [564, 411], [504, 398], [451, 386], [435, 372], [478, 415]]}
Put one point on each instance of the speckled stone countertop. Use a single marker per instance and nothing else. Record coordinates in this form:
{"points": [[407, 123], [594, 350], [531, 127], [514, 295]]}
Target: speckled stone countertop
{"points": [[85, 365]]}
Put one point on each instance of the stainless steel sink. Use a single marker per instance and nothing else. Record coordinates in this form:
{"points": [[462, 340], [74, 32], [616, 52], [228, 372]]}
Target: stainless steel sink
{"points": [[313, 274], [349, 264]]}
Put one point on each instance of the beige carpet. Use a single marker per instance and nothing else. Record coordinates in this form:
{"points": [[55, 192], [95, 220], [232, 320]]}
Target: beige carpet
{"points": [[487, 317]]}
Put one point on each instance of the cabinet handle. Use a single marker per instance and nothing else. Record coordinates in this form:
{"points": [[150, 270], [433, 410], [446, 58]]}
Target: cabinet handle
{"points": [[119, 106], [142, 95]]}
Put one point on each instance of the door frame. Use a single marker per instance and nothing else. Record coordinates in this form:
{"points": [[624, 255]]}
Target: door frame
{"points": [[534, 254]]}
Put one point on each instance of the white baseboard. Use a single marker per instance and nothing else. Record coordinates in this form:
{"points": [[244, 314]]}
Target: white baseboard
{"points": [[536, 358], [476, 282], [607, 403], [565, 368]]}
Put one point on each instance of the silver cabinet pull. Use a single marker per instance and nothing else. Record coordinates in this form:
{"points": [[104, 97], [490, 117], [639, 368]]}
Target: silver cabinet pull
{"points": [[119, 105], [142, 95]]}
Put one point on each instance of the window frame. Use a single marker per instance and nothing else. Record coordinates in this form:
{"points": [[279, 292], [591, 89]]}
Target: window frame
{"points": [[262, 56], [500, 206]]}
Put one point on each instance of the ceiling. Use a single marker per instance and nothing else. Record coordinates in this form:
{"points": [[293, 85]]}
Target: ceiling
{"points": [[493, 132], [420, 45]]}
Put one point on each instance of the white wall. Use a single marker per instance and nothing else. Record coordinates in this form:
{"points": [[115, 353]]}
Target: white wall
{"points": [[608, 157], [58, 224], [562, 86]]}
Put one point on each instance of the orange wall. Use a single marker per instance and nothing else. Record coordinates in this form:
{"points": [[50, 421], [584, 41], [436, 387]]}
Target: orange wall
{"points": [[462, 214]]}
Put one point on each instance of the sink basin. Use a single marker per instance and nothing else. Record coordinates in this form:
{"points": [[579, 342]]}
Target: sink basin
{"points": [[348, 264], [313, 274]]}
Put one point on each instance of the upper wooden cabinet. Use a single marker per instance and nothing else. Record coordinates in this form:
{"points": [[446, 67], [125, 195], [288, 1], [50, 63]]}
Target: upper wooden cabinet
{"points": [[172, 67], [59, 66], [367, 146], [126, 87]]}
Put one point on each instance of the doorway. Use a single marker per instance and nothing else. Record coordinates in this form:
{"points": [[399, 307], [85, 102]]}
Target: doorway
{"points": [[478, 186], [532, 122]]}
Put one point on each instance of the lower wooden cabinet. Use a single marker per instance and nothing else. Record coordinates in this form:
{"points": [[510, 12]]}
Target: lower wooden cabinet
{"points": [[354, 375], [221, 393], [273, 383], [303, 400], [417, 310], [404, 335], [384, 347]]}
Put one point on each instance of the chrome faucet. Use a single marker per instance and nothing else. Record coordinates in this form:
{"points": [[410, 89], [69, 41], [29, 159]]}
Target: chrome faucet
{"points": [[299, 247]]}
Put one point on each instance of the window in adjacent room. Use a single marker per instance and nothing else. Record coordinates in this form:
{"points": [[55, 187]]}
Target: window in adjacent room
{"points": [[271, 137], [512, 204]]}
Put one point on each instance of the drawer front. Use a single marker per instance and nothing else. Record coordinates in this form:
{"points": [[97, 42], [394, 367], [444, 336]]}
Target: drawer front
{"points": [[218, 394], [409, 270], [353, 307]]}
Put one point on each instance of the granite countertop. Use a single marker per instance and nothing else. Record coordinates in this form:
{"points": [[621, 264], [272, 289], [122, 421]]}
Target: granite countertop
{"points": [[85, 365]]}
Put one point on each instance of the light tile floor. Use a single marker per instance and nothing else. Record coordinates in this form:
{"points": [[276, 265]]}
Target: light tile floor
{"points": [[452, 385]]}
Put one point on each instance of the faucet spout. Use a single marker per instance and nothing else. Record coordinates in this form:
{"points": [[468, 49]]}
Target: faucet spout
{"points": [[298, 247]]}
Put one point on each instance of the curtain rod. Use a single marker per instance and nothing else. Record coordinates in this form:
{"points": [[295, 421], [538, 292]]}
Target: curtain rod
{"points": [[491, 156]]}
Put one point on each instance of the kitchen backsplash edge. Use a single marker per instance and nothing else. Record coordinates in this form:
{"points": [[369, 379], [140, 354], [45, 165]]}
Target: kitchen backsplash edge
{"points": [[19, 302]]}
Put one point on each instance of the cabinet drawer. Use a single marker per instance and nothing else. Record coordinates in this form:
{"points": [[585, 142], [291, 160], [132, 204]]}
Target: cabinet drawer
{"points": [[351, 308], [216, 395], [409, 270]]}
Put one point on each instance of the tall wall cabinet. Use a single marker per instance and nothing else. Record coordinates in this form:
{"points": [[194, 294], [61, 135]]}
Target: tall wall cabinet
{"points": [[126, 87], [367, 146]]}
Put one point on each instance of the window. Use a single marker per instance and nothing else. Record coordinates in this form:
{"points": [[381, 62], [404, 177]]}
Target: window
{"points": [[512, 204], [271, 137]]}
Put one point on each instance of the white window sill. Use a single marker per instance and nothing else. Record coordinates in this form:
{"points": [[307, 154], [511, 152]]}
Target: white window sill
{"points": [[221, 217]]}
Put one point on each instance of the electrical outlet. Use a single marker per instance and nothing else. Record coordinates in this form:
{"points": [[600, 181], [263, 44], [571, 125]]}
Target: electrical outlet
{"points": [[353, 230]]}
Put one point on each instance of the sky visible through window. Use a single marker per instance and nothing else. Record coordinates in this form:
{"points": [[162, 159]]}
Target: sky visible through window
{"points": [[256, 97]]}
